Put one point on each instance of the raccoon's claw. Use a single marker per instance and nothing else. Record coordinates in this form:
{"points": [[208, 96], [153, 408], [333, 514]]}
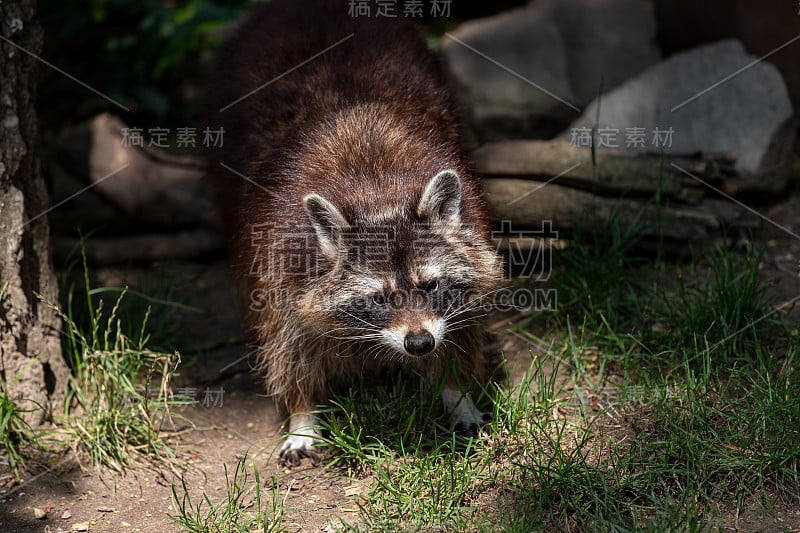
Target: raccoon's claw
{"points": [[465, 418], [302, 441], [471, 428], [296, 448]]}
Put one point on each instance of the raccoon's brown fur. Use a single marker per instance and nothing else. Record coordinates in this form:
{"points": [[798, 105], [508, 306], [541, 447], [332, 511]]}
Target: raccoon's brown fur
{"points": [[338, 129]]}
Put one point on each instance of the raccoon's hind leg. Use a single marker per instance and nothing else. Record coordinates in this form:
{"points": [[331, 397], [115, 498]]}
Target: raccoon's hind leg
{"points": [[302, 440], [465, 417]]}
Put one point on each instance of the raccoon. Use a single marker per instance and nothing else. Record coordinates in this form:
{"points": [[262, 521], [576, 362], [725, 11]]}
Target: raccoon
{"points": [[355, 223]]}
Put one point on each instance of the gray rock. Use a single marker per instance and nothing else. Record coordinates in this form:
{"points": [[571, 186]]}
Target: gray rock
{"points": [[525, 41], [558, 51], [715, 99], [608, 40]]}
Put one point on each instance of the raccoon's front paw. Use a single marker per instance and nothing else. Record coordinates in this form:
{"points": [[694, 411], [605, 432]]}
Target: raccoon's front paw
{"points": [[465, 418], [302, 441], [469, 424], [298, 447]]}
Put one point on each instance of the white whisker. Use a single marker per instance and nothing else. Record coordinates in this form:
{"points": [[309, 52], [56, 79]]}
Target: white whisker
{"points": [[457, 347], [469, 304], [372, 326]]}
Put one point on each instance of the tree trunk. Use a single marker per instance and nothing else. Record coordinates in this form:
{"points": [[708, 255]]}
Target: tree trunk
{"points": [[32, 368]]}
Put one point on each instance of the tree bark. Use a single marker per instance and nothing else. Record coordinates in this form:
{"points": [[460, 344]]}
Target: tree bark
{"points": [[32, 368]]}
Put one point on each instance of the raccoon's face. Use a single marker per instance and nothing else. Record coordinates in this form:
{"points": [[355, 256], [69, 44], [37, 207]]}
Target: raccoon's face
{"points": [[402, 279]]}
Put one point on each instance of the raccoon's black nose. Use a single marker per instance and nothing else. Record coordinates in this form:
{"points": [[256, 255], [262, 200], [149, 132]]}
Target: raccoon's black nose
{"points": [[419, 343]]}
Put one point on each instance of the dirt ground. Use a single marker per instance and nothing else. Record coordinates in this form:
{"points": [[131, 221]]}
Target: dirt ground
{"points": [[239, 420], [232, 417]]}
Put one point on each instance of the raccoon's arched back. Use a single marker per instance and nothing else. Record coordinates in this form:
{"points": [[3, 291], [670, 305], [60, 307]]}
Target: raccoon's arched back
{"points": [[279, 93], [271, 79]]}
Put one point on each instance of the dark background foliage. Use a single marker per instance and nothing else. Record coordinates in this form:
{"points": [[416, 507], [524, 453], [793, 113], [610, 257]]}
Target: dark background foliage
{"points": [[152, 56]]}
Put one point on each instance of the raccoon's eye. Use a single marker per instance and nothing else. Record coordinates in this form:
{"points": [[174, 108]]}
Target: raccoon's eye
{"points": [[431, 286], [379, 299]]}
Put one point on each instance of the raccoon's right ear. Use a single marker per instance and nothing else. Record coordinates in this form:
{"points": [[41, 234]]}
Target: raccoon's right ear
{"points": [[328, 224], [441, 200]]}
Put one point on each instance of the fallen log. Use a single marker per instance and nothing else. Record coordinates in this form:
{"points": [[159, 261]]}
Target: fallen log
{"points": [[526, 204], [610, 174], [145, 248], [676, 198], [161, 199]]}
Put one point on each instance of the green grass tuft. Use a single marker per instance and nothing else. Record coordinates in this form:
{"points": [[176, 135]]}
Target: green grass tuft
{"points": [[722, 311], [119, 392], [16, 434], [371, 424], [244, 508]]}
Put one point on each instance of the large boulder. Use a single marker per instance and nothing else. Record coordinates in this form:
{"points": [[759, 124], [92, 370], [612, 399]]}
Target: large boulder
{"points": [[765, 28], [716, 100], [528, 71]]}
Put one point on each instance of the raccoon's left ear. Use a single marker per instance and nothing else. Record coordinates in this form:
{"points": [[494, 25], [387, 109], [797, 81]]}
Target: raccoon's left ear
{"points": [[328, 224], [441, 200]]}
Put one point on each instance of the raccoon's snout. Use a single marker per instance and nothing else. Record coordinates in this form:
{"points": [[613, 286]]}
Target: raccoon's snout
{"points": [[419, 343]]}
